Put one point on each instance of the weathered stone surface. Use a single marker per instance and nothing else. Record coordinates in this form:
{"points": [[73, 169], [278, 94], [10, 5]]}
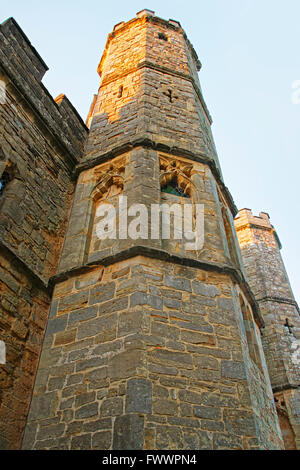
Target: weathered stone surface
{"points": [[102, 293], [233, 370], [87, 411], [139, 396], [73, 301], [124, 365], [205, 290], [81, 315], [139, 298], [128, 432], [82, 442], [208, 412], [84, 398], [149, 343], [48, 432], [178, 283]]}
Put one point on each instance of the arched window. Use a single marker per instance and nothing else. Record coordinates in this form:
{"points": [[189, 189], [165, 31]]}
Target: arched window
{"points": [[175, 178], [4, 180]]}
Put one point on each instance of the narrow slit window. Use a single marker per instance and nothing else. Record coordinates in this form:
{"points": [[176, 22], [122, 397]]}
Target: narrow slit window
{"points": [[162, 36]]}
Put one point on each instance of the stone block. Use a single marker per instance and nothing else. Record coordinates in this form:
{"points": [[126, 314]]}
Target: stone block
{"points": [[81, 442], [125, 364], [207, 290], [208, 412]]}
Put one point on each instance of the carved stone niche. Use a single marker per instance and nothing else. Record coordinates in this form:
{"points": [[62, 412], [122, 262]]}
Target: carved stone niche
{"points": [[110, 180], [173, 171]]}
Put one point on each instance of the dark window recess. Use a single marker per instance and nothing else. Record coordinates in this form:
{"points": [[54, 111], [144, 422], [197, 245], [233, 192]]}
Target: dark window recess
{"points": [[173, 188], [121, 88], [162, 36], [4, 180]]}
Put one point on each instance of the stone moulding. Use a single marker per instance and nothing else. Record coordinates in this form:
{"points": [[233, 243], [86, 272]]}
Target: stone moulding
{"points": [[154, 253]]}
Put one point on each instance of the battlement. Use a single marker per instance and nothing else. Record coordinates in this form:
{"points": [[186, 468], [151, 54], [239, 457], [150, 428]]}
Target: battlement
{"points": [[245, 217]]}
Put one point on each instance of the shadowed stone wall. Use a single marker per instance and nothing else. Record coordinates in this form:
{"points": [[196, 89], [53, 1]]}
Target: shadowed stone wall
{"points": [[40, 142]]}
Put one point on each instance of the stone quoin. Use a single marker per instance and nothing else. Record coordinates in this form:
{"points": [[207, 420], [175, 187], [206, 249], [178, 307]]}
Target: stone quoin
{"points": [[121, 344]]}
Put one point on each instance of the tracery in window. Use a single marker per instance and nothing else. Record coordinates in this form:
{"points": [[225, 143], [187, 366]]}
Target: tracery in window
{"points": [[175, 177]]}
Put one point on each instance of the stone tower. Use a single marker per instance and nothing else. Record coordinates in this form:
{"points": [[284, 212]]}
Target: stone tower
{"points": [[150, 345], [269, 282]]}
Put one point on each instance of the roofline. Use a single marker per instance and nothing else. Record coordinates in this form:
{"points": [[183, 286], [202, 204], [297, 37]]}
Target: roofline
{"points": [[12, 20]]}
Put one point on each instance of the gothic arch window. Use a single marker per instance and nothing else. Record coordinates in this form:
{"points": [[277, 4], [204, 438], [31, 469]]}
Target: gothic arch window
{"points": [[250, 330], [162, 36]]}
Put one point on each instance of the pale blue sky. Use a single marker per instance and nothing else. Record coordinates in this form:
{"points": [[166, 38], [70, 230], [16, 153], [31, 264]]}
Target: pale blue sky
{"points": [[250, 51]]}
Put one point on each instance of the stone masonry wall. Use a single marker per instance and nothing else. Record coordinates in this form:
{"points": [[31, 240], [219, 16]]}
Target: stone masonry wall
{"points": [[147, 355]]}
